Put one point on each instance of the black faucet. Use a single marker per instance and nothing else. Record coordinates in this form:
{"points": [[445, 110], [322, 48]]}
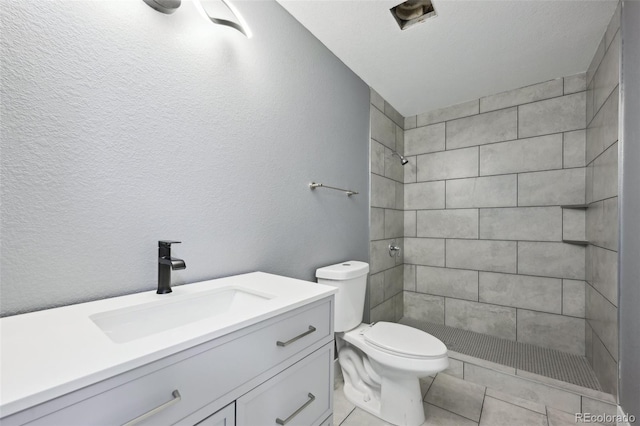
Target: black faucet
{"points": [[165, 264]]}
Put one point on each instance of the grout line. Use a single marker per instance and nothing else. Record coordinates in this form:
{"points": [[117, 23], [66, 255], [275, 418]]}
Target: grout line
{"points": [[518, 122], [563, 150], [484, 399], [488, 176], [494, 110], [498, 272]]}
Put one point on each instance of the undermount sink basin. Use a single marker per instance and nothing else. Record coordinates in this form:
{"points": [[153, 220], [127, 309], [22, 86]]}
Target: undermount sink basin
{"points": [[135, 322]]}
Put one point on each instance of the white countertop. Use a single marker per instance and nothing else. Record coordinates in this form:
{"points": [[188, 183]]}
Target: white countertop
{"points": [[46, 354]]}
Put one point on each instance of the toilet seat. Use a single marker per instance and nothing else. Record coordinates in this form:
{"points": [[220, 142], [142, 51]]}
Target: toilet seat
{"points": [[404, 341]]}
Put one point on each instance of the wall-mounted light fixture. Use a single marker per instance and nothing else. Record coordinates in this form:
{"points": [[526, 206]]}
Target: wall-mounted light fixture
{"points": [[221, 12]]}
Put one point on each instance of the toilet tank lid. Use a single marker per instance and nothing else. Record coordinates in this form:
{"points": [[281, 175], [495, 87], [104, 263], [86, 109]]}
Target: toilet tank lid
{"points": [[343, 271]]}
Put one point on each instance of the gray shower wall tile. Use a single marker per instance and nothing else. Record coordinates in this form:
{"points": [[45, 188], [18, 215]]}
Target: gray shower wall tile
{"points": [[605, 174], [573, 298], [377, 158], [410, 122], [379, 256], [464, 109], [602, 223], [393, 114], [410, 223], [385, 311], [424, 251], [558, 260], [605, 367], [523, 95], [376, 289], [521, 291], [575, 83], [377, 100], [400, 140], [574, 224], [393, 168], [411, 170], [602, 272], [613, 27], [457, 283], [399, 196], [494, 320], [552, 188], [489, 127], [424, 195], [522, 155], [588, 343], [393, 223], [574, 149], [521, 223], [607, 77], [588, 184], [377, 223], [424, 307], [595, 61], [425, 139], [383, 129], [493, 191], [393, 281], [410, 277], [603, 319], [451, 223], [551, 331], [603, 130], [383, 192], [454, 164], [555, 115], [480, 255]]}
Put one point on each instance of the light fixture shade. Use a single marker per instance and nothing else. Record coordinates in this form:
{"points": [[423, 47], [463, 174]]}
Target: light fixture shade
{"points": [[164, 6], [235, 21]]}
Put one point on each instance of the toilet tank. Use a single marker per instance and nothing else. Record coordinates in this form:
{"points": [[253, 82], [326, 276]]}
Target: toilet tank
{"points": [[351, 280]]}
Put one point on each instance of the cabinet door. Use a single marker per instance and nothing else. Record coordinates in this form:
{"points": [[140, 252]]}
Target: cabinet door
{"points": [[300, 395], [223, 417]]}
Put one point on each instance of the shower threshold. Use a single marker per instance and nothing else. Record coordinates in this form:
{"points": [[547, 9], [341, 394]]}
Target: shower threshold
{"points": [[555, 379]]}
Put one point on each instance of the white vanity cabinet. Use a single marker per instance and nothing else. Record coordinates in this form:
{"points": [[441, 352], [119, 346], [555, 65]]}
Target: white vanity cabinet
{"points": [[252, 377]]}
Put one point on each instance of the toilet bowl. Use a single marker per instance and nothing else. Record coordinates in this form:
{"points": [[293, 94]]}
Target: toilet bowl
{"points": [[381, 362]]}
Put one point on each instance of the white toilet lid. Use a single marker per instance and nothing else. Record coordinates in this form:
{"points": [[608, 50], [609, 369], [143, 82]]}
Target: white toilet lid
{"points": [[404, 340]]}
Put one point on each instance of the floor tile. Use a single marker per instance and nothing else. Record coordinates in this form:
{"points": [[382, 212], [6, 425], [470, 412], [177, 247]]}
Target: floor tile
{"points": [[457, 396], [500, 413], [425, 384], [436, 416], [560, 418], [529, 405], [341, 406], [360, 417]]}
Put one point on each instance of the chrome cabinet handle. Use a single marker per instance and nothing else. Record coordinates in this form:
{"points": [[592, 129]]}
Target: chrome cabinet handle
{"points": [[176, 398], [295, 413], [288, 342]]}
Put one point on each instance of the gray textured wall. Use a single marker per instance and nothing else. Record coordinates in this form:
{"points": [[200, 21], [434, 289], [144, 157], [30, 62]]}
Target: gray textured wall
{"points": [[601, 305], [122, 126], [630, 202], [483, 224]]}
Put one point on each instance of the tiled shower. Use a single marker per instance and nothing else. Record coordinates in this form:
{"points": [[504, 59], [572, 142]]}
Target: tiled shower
{"points": [[506, 213]]}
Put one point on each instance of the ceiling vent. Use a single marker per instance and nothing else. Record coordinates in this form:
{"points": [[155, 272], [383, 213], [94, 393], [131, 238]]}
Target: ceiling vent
{"points": [[412, 12]]}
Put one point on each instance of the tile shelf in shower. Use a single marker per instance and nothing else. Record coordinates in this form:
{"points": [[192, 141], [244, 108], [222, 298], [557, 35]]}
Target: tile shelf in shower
{"points": [[575, 206], [576, 242]]}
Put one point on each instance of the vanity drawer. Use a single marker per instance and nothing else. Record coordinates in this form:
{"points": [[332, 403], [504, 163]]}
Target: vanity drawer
{"points": [[215, 370], [300, 395]]}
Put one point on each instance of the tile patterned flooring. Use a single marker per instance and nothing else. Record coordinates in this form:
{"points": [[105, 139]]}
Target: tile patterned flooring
{"points": [[449, 401]]}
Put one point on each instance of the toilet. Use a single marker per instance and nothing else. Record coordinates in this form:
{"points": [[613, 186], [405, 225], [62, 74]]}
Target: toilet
{"points": [[381, 362]]}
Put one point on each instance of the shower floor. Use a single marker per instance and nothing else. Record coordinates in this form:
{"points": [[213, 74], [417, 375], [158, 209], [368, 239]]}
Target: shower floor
{"points": [[547, 362]]}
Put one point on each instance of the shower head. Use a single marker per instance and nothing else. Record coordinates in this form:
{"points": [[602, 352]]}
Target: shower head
{"points": [[402, 159]]}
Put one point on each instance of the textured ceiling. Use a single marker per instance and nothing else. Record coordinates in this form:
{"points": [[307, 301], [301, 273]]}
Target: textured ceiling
{"points": [[471, 49]]}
